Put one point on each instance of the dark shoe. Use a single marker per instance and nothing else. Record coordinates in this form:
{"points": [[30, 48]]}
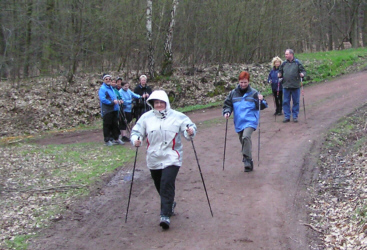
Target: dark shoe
{"points": [[173, 207], [295, 120], [249, 165], [280, 113], [286, 120], [276, 112], [125, 139], [165, 222]]}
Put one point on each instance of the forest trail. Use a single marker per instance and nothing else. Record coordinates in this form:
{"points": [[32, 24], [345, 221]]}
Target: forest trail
{"points": [[263, 209]]}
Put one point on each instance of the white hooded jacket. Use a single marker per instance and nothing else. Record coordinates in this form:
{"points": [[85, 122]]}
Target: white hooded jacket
{"points": [[163, 130]]}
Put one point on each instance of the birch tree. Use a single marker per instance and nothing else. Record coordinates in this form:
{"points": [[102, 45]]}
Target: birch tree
{"points": [[167, 60], [149, 36]]}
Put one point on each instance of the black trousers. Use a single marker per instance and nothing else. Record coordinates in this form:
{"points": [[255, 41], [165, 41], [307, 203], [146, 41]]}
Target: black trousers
{"points": [[111, 126], [278, 100], [128, 116], [164, 181]]}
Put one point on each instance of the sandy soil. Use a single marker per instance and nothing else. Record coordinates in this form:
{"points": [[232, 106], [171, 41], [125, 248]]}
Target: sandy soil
{"points": [[264, 209]]}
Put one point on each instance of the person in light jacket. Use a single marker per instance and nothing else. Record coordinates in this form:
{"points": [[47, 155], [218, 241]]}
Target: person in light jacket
{"points": [[127, 96], [162, 128]]}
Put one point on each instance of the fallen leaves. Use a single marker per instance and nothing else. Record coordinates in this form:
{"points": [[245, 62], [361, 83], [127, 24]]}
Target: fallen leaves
{"points": [[339, 208]]}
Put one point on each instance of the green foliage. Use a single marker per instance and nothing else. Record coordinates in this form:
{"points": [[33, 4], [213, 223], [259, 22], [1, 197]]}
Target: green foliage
{"points": [[89, 160], [322, 66], [18, 242], [218, 90], [197, 107]]}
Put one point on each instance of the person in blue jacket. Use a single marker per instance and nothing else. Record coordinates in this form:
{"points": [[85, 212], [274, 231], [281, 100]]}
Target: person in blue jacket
{"points": [[244, 103], [127, 96], [109, 111], [276, 85]]}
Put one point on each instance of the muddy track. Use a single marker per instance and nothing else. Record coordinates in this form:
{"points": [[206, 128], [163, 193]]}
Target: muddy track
{"points": [[264, 209]]}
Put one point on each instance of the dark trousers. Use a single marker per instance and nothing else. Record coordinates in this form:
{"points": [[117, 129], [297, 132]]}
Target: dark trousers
{"points": [[140, 110], [278, 100], [164, 181], [111, 126], [125, 115]]}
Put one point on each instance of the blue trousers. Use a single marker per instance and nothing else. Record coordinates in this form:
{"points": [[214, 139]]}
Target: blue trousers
{"points": [[288, 94]]}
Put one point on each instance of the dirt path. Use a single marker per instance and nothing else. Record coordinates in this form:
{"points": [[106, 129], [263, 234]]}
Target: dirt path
{"points": [[264, 209]]}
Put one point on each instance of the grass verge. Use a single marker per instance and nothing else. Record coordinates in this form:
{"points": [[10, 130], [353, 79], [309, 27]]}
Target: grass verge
{"points": [[40, 182]]}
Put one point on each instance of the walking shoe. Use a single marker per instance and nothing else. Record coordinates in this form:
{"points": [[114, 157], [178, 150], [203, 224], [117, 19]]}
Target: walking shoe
{"points": [[249, 165], [276, 112], [119, 142], [173, 207], [164, 222], [286, 120], [109, 143], [125, 139], [280, 113], [295, 120]]}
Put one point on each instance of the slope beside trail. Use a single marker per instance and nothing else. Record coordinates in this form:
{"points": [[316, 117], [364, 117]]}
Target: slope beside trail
{"points": [[264, 209]]}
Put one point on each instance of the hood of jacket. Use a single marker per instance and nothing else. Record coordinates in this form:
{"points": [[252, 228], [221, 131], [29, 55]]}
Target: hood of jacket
{"points": [[158, 95]]}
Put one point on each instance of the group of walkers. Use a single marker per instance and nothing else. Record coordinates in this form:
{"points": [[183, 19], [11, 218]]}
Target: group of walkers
{"points": [[162, 128], [286, 79], [119, 105]]}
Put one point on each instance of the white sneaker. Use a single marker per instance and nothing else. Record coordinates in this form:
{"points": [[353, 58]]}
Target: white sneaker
{"points": [[118, 141], [109, 143]]}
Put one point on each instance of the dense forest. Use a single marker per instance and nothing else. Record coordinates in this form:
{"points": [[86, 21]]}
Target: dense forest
{"points": [[54, 37]]}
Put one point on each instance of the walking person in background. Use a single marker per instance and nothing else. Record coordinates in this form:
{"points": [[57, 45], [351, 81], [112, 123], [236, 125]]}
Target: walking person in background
{"points": [[291, 71], [162, 128], [109, 111], [276, 84], [127, 97], [144, 91], [243, 101]]}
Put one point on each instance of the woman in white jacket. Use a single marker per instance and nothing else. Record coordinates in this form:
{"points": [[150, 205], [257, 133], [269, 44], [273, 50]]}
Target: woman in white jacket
{"points": [[162, 127]]}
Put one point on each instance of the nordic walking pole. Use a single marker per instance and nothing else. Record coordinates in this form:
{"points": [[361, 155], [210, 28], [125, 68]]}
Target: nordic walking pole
{"points": [[278, 96], [303, 97], [145, 105], [125, 120], [202, 178], [132, 181], [225, 143], [258, 143]]}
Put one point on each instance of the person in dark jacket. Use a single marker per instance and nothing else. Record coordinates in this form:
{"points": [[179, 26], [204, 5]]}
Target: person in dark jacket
{"points": [[244, 102], [276, 84], [291, 71], [109, 111], [144, 91]]}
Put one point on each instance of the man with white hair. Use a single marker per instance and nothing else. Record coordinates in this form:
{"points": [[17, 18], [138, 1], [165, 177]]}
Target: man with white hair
{"points": [[291, 71], [144, 91]]}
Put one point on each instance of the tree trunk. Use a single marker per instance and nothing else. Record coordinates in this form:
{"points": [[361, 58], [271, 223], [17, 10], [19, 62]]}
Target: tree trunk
{"points": [[167, 60], [28, 38], [149, 36], [364, 26]]}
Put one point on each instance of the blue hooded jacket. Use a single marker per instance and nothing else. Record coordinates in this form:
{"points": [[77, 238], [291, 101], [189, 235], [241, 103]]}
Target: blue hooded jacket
{"points": [[106, 97], [245, 108]]}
